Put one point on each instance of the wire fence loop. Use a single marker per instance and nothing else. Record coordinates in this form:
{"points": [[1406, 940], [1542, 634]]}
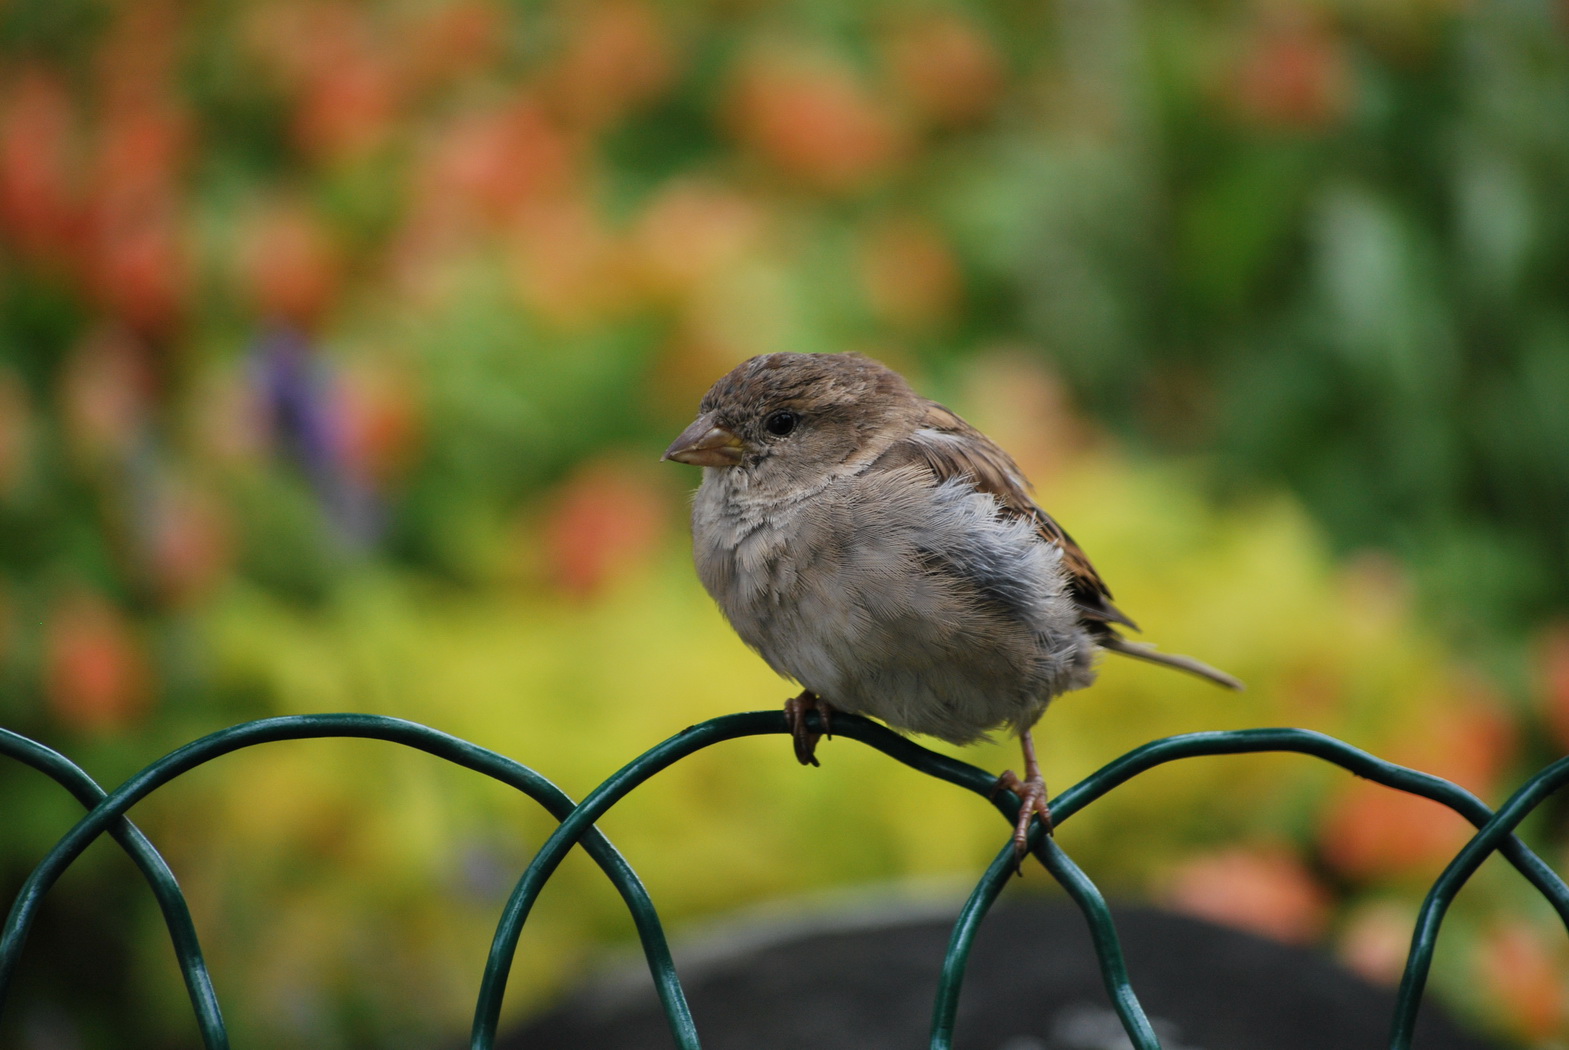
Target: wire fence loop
{"points": [[106, 814]]}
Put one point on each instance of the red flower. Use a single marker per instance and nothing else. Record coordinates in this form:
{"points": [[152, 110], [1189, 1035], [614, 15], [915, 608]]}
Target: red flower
{"points": [[1293, 75], [37, 126], [1553, 681], [16, 431], [139, 269]]}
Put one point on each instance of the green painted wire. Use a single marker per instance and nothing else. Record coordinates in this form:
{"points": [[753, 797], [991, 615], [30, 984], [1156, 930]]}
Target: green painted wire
{"points": [[487, 1010], [1108, 948], [577, 824], [1425, 936], [1191, 745], [1306, 741], [1103, 930], [945, 1009], [695, 738], [107, 814], [171, 901], [498, 965]]}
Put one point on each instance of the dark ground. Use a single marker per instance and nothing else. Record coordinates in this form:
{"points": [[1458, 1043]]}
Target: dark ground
{"points": [[1032, 984]]}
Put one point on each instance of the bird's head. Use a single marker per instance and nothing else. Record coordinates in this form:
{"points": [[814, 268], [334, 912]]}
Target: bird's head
{"points": [[791, 420]]}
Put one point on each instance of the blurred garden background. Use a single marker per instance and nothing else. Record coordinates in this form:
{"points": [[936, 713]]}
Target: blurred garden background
{"points": [[339, 342]]}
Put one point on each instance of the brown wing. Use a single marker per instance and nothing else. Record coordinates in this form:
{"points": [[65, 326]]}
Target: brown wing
{"points": [[952, 449]]}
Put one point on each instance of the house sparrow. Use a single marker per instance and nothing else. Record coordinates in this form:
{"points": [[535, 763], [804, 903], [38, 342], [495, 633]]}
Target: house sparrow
{"points": [[886, 555]]}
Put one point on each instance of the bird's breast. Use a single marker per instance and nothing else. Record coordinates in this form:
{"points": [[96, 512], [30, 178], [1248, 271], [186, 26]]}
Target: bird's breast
{"points": [[907, 603]]}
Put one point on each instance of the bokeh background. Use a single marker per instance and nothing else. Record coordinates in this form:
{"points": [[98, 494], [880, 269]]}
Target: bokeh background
{"points": [[339, 341]]}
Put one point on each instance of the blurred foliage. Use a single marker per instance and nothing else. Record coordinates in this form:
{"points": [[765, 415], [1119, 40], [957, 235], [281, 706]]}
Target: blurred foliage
{"points": [[338, 340]]}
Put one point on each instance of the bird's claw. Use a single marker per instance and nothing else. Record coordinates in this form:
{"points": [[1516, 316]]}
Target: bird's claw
{"points": [[796, 710], [1032, 796]]}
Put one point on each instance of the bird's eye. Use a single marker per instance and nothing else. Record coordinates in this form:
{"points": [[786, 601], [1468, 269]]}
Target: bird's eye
{"points": [[781, 423]]}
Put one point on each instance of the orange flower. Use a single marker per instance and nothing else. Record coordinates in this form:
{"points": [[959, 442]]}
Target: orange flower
{"points": [[141, 149], [812, 118], [616, 57], [137, 257], [454, 39], [487, 164], [1525, 977], [292, 266], [382, 423], [570, 269], [104, 393], [140, 54], [946, 68], [607, 519], [1263, 888], [96, 678], [191, 543], [909, 271], [347, 109], [1376, 940], [330, 60], [1372, 831], [692, 231]]}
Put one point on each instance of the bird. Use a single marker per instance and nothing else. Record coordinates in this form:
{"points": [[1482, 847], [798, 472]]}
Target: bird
{"points": [[888, 557]]}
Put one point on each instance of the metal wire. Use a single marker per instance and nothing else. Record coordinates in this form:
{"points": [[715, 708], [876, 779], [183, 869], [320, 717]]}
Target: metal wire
{"points": [[176, 915], [108, 812], [576, 825], [1425, 937]]}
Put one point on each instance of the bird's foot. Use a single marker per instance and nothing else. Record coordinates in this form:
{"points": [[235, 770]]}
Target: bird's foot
{"points": [[1031, 792], [796, 709]]}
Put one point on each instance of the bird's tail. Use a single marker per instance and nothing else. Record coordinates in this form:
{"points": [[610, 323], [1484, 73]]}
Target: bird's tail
{"points": [[1140, 651]]}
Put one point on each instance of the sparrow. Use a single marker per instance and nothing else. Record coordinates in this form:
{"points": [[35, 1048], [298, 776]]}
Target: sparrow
{"points": [[874, 547]]}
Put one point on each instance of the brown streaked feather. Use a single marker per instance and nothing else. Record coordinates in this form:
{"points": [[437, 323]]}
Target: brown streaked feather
{"points": [[993, 471]]}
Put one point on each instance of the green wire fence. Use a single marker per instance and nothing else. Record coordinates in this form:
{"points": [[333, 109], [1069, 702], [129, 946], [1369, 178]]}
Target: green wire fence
{"points": [[106, 814]]}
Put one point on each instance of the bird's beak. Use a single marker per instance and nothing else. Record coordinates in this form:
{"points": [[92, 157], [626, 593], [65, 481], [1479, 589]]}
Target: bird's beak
{"points": [[706, 444]]}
